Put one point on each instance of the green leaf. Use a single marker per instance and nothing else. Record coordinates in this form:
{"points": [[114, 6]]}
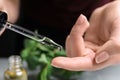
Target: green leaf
{"points": [[29, 43], [42, 47], [37, 54], [43, 59], [32, 62], [43, 73], [25, 53]]}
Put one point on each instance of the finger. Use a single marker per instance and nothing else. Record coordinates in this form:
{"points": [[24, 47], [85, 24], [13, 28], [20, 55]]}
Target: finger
{"points": [[2, 30], [76, 36], [84, 63], [113, 60], [115, 31], [74, 64], [112, 46], [68, 48], [109, 48], [80, 26]]}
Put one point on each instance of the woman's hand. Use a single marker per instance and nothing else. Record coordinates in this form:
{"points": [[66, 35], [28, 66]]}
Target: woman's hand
{"points": [[79, 57], [100, 47], [104, 32], [11, 7]]}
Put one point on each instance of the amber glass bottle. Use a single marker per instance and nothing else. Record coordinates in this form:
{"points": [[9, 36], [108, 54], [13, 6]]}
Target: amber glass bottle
{"points": [[15, 70]]}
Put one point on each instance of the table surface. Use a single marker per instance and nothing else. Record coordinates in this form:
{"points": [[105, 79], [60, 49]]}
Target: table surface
{"points": [[110, 73]]}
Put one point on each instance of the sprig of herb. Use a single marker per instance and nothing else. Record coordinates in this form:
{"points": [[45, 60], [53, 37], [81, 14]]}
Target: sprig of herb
{"points": [[36, 54]]}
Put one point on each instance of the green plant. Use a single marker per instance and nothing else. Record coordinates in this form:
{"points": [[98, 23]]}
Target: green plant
{"points": [[36, 54]]}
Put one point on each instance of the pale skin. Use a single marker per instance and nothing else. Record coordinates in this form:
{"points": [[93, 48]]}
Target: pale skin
{"points": [[11, 7], [100, 46]]}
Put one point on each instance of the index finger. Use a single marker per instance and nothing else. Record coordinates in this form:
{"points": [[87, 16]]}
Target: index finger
{"points": [[76, 36]]}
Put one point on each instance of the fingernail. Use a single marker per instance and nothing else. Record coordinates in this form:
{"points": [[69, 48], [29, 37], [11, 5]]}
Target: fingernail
{"points": [[82, 18], [102, 57], [55, 66]]}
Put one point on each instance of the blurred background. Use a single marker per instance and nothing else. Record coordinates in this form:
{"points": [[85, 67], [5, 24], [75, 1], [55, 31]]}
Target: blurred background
{"points": [[110, 73], [54, 20], [47, 17]]}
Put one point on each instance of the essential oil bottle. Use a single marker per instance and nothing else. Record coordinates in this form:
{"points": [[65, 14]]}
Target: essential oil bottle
{"points": [[15, 69]]}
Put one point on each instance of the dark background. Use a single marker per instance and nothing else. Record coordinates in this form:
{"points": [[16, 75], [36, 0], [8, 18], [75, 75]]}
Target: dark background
{"points": [[52, 18]]}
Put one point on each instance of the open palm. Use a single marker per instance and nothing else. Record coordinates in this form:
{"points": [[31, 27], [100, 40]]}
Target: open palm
{"points": [[100, 46]]}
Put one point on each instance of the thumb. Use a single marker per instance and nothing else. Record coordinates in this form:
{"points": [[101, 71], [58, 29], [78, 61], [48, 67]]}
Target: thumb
{"points": [[1, 31], [111, 47]]}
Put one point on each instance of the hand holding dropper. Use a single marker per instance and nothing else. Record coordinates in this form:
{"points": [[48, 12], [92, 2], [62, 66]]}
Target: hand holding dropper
{"points": [[25, 32]]}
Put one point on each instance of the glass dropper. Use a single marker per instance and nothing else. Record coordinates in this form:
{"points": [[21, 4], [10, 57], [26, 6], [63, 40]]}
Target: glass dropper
{"points": [[25, 32]]}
